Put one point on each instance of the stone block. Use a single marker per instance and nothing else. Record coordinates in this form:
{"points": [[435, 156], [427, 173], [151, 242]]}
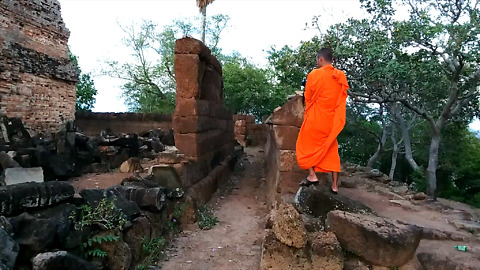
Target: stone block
{"points": [[288, 161], [326, 251], [23, 175], [189, 75], [188, 45], [60, 260], [288, 182], [212, 86], [290, 114], [191, 107], [377, 240], [8, 249], [202, 191], [17, 198], [288, 226], [165, 176], [151, 199], [286, 137]]}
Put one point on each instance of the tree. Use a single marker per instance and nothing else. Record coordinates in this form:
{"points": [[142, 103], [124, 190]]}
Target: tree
{"points": [[150, 76], [85, 87], [202, 5], [427, 64], [249, 89]]}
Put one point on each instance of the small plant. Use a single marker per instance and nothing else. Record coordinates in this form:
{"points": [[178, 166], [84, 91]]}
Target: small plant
{"points": [[153, 249], [206, 218], [87, 246], [103, 215], [178, 211]]}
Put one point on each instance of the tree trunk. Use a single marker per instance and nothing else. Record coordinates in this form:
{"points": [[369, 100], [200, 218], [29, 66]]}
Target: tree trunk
{"points": [[381, 143], [204, 22], [433, 163], [406, 141], [394, 152]]}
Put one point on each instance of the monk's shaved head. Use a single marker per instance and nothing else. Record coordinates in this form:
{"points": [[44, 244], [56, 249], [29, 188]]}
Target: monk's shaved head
{"points": [[326, 53]]}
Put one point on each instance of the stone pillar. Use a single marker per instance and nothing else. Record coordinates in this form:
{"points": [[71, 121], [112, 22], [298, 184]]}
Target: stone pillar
{"points": [[203, 127], [283, 172], [37, 79]]}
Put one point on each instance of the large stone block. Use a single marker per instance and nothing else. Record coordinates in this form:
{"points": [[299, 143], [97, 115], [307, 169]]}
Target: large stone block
{"points": [[318, 201], [288, 161], [286, 137], [151, 199], [189, 75], [377, 240], [135, 235], [165, 176], [326, 251], [290, 114], [8, 249], [189, 45], [212, 86], [60, 260], [23, 175], [17, 198], [288, 182], [288, 226]]}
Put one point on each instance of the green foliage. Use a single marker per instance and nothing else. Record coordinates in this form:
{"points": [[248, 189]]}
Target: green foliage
{"points": [[153, 250], [104, 215], [206, 218], [85, 87], [174, 223], [248, 89], [90, 251]]}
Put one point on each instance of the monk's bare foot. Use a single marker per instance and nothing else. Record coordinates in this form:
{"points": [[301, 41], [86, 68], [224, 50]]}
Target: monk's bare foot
{"points": [[334, 189], [312, 178]]}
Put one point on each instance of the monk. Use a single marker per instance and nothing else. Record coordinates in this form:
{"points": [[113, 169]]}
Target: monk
{"points": [[325, 113]]}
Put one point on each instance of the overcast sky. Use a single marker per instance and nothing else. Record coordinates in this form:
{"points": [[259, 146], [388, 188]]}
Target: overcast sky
{"points": [[256, 25]]}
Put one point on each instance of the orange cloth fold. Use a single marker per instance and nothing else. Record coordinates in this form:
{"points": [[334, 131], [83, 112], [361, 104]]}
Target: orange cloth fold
{"points": [[325, 113]]}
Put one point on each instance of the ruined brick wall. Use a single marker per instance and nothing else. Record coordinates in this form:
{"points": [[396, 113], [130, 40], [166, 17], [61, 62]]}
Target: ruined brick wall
{"points": [[247, 132], [37, 80], [283, 172], [92, 124], [203, 126]]}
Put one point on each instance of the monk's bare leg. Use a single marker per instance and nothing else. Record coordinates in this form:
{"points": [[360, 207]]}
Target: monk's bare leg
{"points": [[335, 181], [312, 177]]}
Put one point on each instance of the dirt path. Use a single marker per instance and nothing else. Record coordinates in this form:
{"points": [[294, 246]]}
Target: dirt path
{"points": [[235, 242]]}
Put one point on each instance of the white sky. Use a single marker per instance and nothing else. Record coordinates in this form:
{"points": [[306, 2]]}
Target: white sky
{"points": [[256, 25]]}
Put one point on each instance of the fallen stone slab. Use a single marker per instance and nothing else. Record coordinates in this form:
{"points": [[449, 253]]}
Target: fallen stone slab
{"points": [[8, 250], [152, 199], [17, 198], [442, 255], [116, 194], [165, 176], [326, 251], [318, 201], [23, 175], [288, 226], [60, 260], [377, 240]]}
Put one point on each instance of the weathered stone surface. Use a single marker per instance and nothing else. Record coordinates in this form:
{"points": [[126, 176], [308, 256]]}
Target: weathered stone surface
{"points": [[400, 190], [348, 182], [318, 201], [290, 114], [16, 198], [420, 196], [286, 136], [23, 175], [117, 194], [119, 255], [375, 239], [131, 165], [3, 267], [6, 161], [288, 226], [413, 264], [8, 249], [165, 176], [35, 70], [152, 199], [60, 260], [354, 263], [326, 251], [312, 224], [38, 231], [134, 236], [276, 255]]}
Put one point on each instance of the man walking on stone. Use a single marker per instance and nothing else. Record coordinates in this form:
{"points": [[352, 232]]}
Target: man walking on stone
{"points": [[325, 113]]}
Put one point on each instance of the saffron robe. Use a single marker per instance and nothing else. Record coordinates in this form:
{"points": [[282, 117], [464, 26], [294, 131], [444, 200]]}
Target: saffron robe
{"points": [[325, 113]]}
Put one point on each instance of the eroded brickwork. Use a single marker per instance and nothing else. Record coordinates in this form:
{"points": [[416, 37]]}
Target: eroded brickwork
{"points": [[37, 80], [247, 132], [202, 125]]}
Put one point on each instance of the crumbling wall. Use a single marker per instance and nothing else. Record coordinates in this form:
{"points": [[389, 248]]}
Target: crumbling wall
{"points": [[247, 132], [92, 123], [203, 126], [283, 126], [37, 79]]}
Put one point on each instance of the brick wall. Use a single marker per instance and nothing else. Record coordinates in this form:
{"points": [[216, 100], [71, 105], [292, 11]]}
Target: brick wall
{"points": [[92, 123], [247, 132], [283, 173], [37, 80]]}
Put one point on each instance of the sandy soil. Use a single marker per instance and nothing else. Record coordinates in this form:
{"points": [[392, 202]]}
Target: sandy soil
{"points": [[234, 243]]}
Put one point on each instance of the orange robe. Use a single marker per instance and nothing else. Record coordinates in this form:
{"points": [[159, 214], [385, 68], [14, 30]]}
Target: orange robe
{"points": [[325, 113]]}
